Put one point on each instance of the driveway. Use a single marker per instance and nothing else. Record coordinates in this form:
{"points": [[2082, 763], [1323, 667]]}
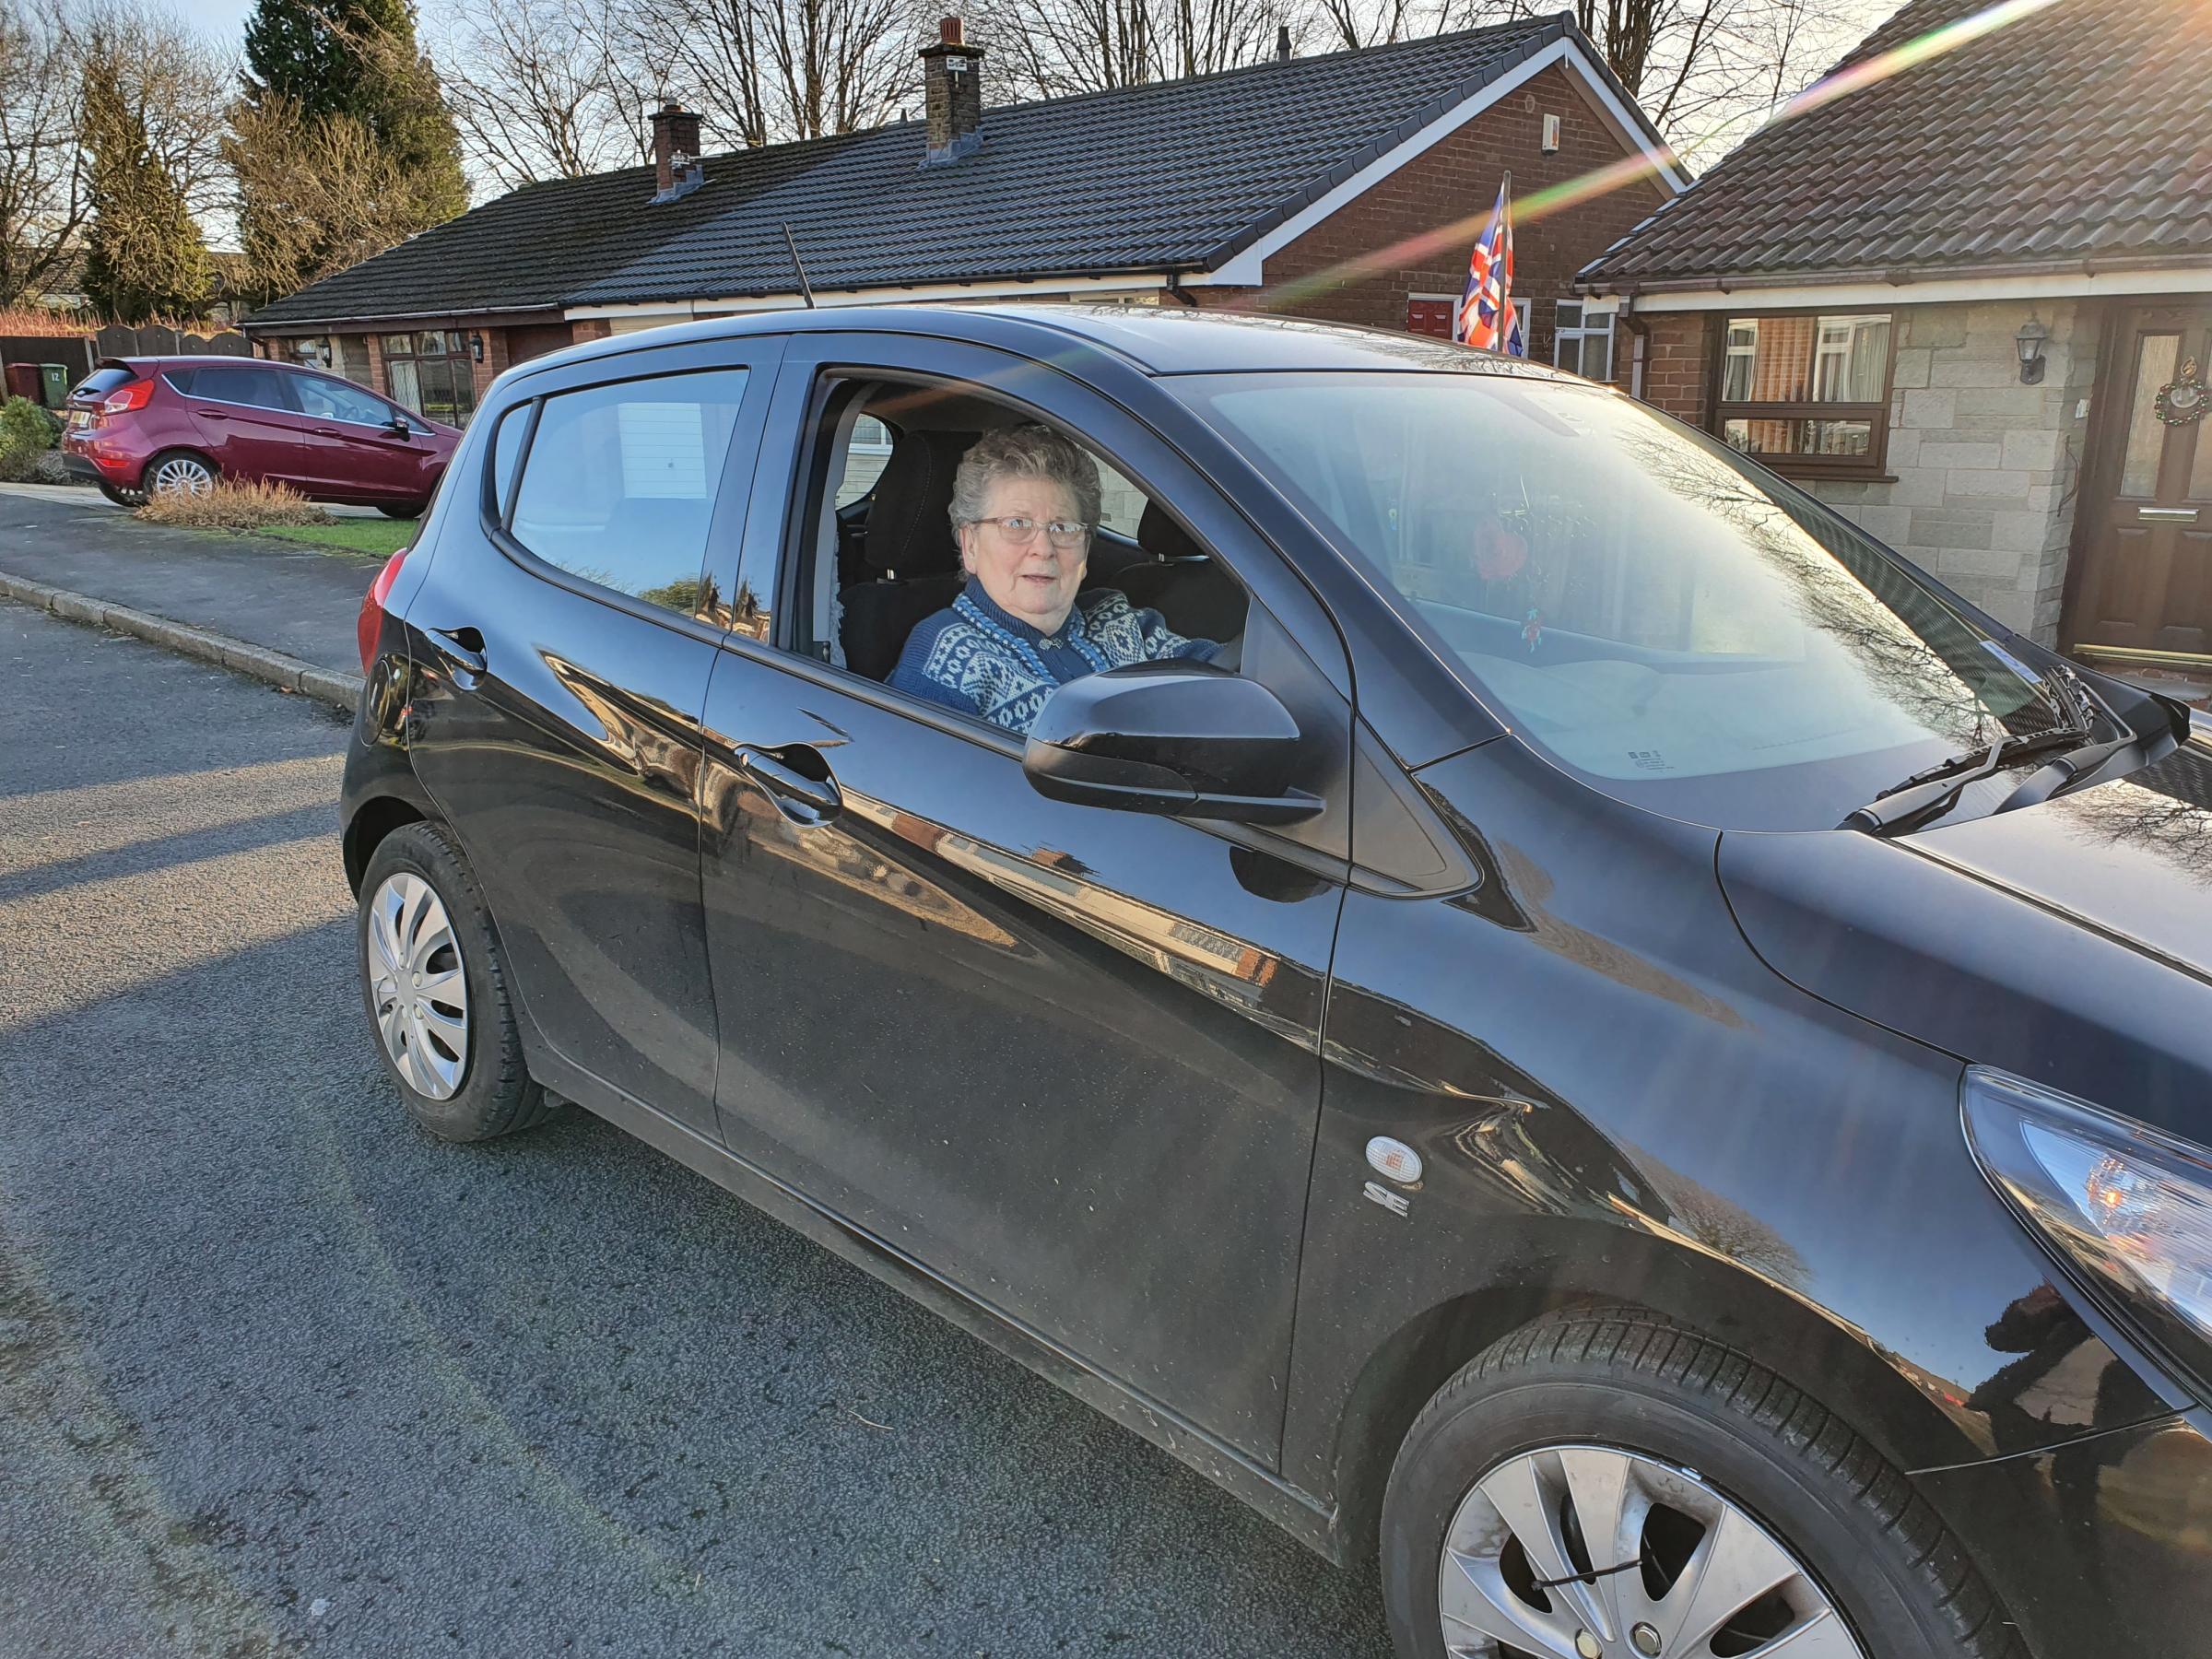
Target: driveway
{"points": [[279, 1373]]}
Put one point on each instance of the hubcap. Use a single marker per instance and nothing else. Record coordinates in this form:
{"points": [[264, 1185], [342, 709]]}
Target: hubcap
{"points": [[416, 984], [1585, 1552], [179, 474]]}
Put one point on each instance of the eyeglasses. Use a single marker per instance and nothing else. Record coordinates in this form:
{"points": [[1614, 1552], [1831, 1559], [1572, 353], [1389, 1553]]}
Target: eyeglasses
{"points": [[1021, 532]]}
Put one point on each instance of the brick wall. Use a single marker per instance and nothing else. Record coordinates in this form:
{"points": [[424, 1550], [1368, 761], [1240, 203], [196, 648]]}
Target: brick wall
{"points": [[1677, 373], [1457, 179]]}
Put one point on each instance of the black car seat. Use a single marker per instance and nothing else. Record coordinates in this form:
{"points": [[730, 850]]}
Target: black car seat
{"points": [[908, 546], [1197, 597]]}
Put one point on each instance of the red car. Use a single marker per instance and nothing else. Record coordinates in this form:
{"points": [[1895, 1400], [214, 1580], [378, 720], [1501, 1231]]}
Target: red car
{"points": [[138, 425]]}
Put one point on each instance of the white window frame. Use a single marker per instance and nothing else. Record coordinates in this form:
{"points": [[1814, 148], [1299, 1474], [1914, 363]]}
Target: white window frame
{"points": [[1584, 332], [1742, 342]]}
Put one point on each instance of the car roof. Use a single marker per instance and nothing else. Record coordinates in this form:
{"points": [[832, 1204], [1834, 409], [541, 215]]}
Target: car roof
{"points": [[1164, 339], [194, 360]]}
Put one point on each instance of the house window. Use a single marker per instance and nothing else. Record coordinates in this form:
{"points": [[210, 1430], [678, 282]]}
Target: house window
{"points": [[1808, 394], [431, 372], [1582, 343]]}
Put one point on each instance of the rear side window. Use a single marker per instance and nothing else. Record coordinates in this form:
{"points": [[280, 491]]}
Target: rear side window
{"points": [[239, 383], [621, 481]]}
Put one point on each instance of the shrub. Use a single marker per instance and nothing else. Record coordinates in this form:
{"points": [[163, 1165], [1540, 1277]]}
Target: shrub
{"points": [[230, 505], [27, 433]]}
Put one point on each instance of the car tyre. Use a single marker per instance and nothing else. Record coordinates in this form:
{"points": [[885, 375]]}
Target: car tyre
{"points": [[434, 983], [412, 510], [121, 497], [1620, 1395], [180, 470]]}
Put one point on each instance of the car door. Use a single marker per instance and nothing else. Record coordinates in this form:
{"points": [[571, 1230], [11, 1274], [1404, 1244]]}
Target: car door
{"points": [[352, 446], [246, 424], [1066, 1058], [562, 641]]}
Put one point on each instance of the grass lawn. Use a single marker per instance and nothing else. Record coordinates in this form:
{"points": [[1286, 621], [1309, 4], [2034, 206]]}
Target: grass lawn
{"points": [[379, 537]]}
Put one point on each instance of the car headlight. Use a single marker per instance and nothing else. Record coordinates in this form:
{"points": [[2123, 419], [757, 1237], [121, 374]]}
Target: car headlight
{"points": [[2130, 1205]]}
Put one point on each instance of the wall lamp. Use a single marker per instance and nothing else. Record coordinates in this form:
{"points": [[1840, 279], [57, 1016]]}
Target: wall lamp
{"points": [[2030, 341], [476, 347]]}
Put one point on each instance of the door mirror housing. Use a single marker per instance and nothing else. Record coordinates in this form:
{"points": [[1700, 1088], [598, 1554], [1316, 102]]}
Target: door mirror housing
{"points": [[1185, 739], [399, 426]]}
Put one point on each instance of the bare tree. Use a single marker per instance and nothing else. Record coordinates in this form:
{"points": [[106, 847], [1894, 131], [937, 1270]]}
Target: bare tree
{"points": [[538, 89], [1053, 48], [765, 71], [43, 196]]}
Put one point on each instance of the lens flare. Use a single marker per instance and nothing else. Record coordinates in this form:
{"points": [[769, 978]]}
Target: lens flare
{"points": [[1537, 204]]}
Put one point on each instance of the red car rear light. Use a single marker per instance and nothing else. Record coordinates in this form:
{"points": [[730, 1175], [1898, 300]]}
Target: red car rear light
{"points": [[370, 623], [125, 398]]}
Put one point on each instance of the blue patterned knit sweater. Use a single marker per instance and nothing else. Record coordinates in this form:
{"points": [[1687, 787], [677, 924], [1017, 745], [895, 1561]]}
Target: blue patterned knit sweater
{"points": [[976, 658]]}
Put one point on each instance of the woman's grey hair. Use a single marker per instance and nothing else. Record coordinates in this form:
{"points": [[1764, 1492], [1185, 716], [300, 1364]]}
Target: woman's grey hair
{"points": [[1023, 452]]}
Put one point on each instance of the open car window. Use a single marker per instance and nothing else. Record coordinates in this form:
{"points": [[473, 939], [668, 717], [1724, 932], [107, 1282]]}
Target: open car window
{"points": [[875, 556]]}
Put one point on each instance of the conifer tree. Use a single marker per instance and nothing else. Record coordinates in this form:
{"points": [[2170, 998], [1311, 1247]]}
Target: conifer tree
{"points": [[345, 75], [143, 255]]}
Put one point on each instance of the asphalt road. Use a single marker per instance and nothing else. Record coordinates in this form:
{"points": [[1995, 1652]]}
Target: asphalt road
{"points": [[301, 601], [279, 1373]]}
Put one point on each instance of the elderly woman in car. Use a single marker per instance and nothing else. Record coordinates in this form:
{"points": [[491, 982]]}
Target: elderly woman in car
{"points": [[1024, 504]]}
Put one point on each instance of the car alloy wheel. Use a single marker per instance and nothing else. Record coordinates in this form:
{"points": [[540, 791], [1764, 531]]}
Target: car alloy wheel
{"points": [[420, 994], [1587, 1552], [182, 475]]}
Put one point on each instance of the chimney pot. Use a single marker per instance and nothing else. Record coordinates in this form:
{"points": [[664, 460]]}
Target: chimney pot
{"points": [[952, 95], [1282, 42], [676, 168]]}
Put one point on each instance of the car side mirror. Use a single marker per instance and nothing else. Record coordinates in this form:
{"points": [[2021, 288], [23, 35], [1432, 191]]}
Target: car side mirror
{"points": [[399, 426], [1183, 738]]}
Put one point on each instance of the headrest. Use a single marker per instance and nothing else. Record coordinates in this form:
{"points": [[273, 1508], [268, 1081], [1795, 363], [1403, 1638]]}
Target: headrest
{"points": [[1162, 537], [909, 529]]}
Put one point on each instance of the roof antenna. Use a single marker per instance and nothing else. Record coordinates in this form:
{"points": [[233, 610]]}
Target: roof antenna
{"points": [[806, 292]]}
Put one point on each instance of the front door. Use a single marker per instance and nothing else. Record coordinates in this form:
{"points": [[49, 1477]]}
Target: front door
{"points": [[2145, 589], [352, 447], [1065, 1058]]}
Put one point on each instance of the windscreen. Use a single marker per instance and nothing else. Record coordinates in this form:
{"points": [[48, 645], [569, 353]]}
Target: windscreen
{"points": [[1663, 618]]}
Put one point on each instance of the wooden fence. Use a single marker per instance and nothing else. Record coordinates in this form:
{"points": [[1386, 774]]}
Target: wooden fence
{"points": [[77, 353]]}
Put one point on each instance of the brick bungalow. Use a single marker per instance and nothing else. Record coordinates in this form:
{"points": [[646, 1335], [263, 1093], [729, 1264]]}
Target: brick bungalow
{"points": [[1201, 191], [1965, 305]]}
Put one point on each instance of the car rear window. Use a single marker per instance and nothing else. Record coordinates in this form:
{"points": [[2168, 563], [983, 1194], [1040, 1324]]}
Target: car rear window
{"points": [[101, 381]]}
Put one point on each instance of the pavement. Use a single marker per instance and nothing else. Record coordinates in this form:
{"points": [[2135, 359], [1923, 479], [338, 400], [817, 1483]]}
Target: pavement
{"points": [[299, 602], [281, 1374]]}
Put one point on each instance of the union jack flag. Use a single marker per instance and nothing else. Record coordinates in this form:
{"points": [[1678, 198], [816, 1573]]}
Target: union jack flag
{"points": [[1486, 317]]}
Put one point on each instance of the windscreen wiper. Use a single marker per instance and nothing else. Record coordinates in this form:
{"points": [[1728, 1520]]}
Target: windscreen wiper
{"points": [[1928, 795]]}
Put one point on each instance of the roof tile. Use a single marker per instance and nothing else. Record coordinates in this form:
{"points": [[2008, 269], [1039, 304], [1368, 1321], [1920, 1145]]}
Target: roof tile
{"points": [[2076, 131]]}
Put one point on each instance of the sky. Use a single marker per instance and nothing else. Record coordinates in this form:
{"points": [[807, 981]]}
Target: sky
{"points": [[222, 19]]}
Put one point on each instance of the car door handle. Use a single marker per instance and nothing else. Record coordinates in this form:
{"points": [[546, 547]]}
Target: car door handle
{"points": [[462, 646], [325, 433], [212, 414], [807, 800]]}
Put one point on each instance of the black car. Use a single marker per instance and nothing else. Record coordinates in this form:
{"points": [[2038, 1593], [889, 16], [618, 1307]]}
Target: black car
{"points": [[1622, 1048]]}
